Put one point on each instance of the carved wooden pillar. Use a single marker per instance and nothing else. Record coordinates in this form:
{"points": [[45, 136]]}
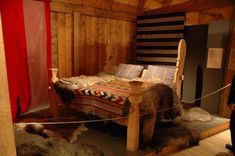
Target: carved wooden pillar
{"points": [[133, 119]]}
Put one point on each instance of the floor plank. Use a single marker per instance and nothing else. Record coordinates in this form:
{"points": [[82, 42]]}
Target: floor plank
{"points": [[210, 146]]}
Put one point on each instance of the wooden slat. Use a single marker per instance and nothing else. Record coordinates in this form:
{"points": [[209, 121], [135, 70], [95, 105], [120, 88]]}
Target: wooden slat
{"points": [[176, 35], [54, 35], [68, 40], [216, 143], [157, 51], [103, 4], [68, 1], [81, 61], [103, 43], [155, 28], [157, 43], [190, 6], [77, 46], [61, 44], [89, 53], [7, 141], [156, 20], [214, 130], [91, 11], [157, 59]]}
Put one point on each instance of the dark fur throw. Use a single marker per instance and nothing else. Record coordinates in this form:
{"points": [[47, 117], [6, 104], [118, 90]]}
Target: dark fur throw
{"points": [[161, 102], [169, 133]]}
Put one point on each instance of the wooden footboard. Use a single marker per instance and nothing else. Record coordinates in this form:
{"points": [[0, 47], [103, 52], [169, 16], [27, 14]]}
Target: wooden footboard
{"points": [[133, 118]]}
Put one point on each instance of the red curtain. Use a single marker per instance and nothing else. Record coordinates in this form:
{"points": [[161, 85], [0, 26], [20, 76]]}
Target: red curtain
{"points": [[48, 38], [16, 55], [20, 84]]}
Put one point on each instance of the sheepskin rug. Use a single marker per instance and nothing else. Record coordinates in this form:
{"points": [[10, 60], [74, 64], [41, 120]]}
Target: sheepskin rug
{"points": [[56, 147]]}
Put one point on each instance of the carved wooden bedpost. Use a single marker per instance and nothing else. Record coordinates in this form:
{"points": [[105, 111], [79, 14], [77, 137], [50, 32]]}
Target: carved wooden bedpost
{"points": [[179, 73], [52, 94], [133, 119]]}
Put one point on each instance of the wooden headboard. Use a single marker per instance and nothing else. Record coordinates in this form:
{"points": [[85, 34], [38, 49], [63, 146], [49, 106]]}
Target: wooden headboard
{"points": [[160, 42], [158, 37]]}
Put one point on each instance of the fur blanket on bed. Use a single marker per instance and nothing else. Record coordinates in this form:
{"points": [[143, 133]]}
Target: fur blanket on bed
{"points": [[161, 102]]}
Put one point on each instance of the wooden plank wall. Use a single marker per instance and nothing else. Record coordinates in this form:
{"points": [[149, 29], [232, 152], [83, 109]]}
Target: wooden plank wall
{"points": [[158, 38], [86, 39]]}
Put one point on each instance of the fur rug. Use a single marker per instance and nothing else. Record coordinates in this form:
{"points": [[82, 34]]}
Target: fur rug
{"points": [[176, 134], [56, 147]]}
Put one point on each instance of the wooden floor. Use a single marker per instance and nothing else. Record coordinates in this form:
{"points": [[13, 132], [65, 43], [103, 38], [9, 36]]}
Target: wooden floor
{"points": [[211, 146]]}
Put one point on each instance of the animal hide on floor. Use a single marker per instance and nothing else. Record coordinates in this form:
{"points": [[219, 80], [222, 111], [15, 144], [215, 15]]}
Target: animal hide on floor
{"points": [[176, 134], [67, 133], [56, 147]]}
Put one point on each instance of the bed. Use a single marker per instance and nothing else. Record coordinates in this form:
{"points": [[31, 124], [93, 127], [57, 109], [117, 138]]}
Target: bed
{"points": [[123, 95]]}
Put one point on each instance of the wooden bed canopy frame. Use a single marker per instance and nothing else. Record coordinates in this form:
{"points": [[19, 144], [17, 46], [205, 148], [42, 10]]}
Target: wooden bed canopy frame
{"points": [[133, 120]]}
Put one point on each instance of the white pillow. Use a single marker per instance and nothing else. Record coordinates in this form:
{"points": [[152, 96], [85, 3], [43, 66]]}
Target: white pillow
{"points": [[129, 71]]}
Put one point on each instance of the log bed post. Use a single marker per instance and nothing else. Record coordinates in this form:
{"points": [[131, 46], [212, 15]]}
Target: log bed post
{"points": [[7, 141], [133, 119]]}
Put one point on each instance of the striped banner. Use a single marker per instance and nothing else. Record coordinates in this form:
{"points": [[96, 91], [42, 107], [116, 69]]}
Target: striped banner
{"points": [[158, 37]]}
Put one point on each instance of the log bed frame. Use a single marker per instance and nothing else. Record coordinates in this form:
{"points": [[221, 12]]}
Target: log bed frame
{"points": [[135, 98]]}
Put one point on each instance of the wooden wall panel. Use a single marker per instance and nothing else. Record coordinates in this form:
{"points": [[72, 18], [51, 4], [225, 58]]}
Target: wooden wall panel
{"points": [[88, 53], [86, 39], [68, 44], [209, 15], [104, 44], [54, 42], [77, 45], [62, 43]]}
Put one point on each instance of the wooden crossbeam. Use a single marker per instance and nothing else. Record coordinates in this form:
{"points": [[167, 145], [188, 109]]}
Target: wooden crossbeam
{"points": [[141, 6], [189, 6], [91, 11]]}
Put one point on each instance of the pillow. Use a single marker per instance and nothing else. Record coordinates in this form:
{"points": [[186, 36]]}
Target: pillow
{"points": [[129, 71], [165, 74]]}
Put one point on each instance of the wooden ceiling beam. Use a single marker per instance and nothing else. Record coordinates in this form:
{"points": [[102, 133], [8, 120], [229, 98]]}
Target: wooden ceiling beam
{"points": [[108, 5], [190, 6], [141, 6]]}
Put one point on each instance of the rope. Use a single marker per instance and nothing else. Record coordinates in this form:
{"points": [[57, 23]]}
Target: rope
{"points": [[75, 122], [205, 96], [117, 118]]}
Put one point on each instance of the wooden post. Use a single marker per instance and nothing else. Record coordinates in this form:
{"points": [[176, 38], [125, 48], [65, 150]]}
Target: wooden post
{"points": [[179, 73], [52, 94], [133, 119], [7, 141]]}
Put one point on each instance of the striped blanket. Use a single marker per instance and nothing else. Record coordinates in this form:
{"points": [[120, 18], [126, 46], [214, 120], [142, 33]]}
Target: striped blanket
{"points": [[98, 98]]}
